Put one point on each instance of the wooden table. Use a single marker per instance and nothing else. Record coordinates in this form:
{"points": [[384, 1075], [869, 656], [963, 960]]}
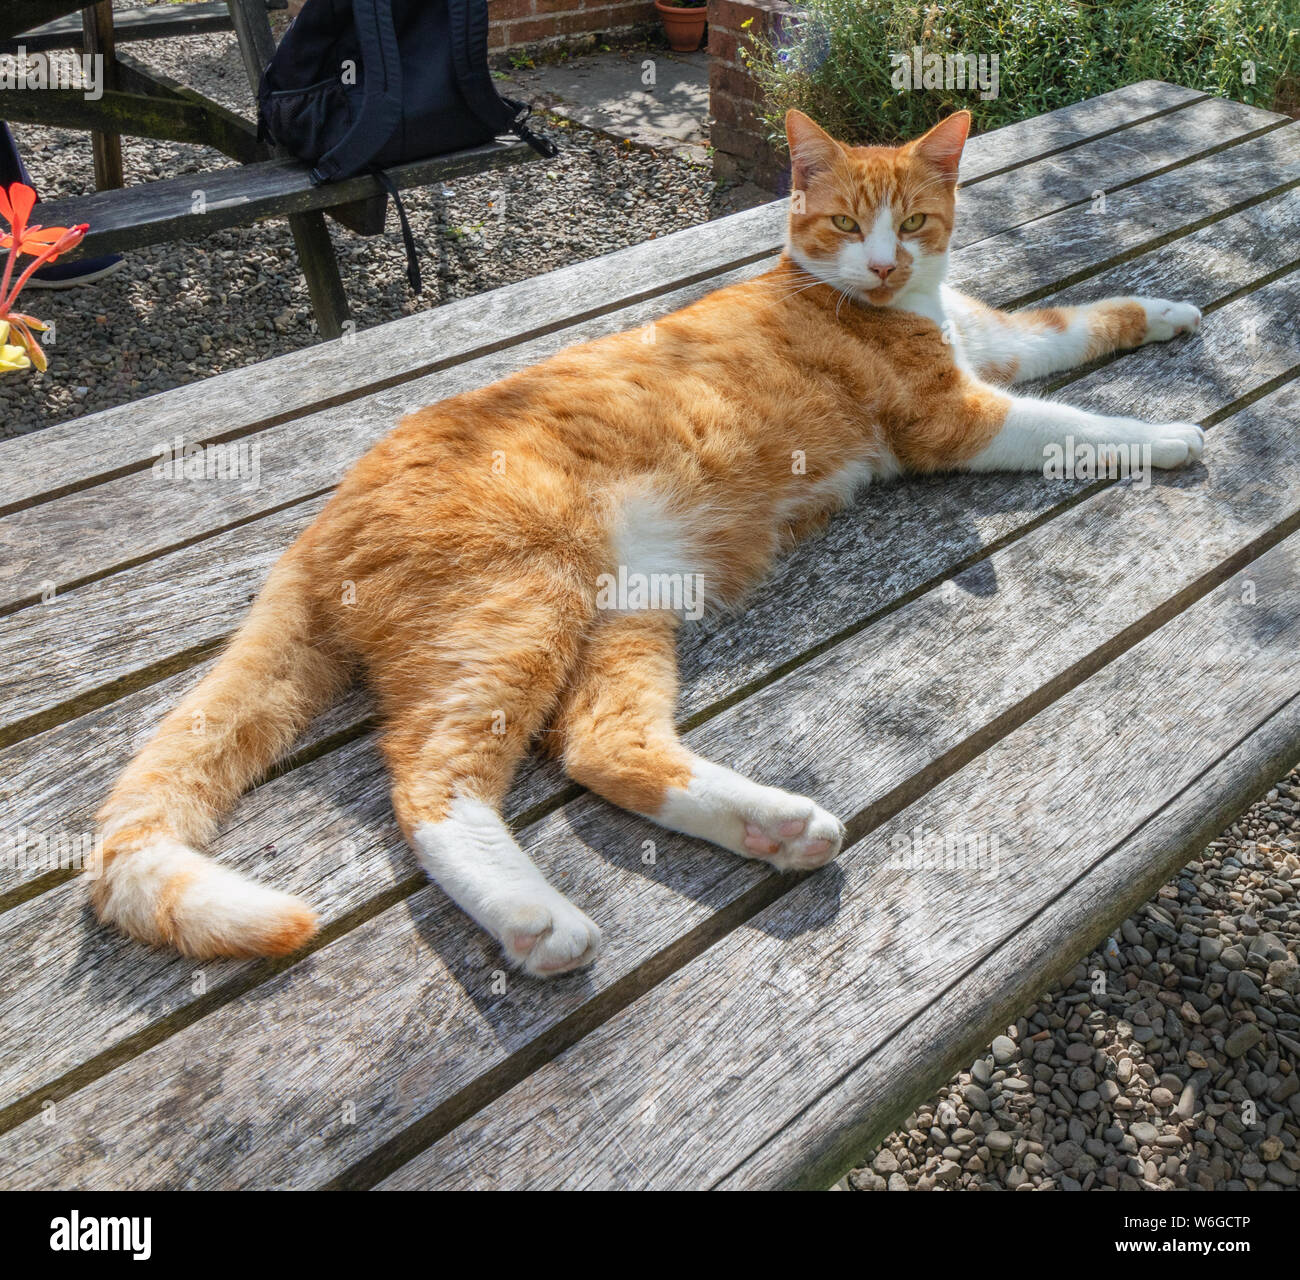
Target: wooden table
{"points": [[1087, 679]]}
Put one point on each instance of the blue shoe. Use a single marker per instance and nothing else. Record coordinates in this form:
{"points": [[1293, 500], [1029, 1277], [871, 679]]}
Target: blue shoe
{"points": [[69, 275]]}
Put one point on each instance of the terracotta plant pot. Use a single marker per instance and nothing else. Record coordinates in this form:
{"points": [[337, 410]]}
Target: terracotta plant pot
{"points": [[683, 27]]}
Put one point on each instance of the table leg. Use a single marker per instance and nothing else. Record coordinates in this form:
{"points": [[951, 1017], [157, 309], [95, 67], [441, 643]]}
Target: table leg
{"points": [[97, 26], [320, 267]]}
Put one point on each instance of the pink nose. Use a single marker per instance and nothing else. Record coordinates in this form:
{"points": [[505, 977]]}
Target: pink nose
{"points": [[882, 269]]}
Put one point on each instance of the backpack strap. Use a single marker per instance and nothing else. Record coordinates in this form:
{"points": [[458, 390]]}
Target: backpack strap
{"points": [[381, 102], [469, 25], [408, 239]]}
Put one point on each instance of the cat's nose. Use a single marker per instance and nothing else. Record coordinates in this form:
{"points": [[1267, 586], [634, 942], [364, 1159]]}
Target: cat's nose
{"points": [[882, 269]]}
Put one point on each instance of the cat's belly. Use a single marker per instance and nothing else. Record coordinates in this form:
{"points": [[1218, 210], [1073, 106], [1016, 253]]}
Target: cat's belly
{"points": [[677, 550]]}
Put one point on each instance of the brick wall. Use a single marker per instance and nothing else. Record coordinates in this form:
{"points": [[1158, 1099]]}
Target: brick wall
{"points": [[527, 23], [739, 139]]}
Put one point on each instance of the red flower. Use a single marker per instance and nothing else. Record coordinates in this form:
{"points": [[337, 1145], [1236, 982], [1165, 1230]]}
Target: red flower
{"points": [[43, 245]]}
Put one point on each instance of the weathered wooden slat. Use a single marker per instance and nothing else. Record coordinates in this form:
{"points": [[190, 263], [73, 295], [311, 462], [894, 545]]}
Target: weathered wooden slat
{"points": [[126, 220], [34, 12], [429, 1038], [52, 784], [162, 211], [950, 1032], [687, 1086], [54, 660], [74, 453], [877, 559], [82, 535], [152, 23], [1106, 164]]}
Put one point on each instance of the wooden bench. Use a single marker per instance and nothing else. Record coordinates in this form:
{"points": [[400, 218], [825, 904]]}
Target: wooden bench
{"points": [[1090, 679], [153, 22], [142, 102]]}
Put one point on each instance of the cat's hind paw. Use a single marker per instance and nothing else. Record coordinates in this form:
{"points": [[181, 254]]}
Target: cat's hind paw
{"points": [[549, 938], [803, 838]]}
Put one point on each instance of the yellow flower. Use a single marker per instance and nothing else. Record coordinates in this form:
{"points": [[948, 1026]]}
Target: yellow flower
{"points": [[12, 359]]}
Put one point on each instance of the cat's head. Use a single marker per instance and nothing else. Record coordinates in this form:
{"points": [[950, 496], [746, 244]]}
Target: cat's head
{"points": [[871, 220]]}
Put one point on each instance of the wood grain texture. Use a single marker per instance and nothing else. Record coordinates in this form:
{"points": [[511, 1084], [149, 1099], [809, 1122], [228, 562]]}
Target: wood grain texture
{"points": [[689, 1082], [76, 452], [83, 534], [838, 1128], [162, 211], [135, 626], [152, 23], [415, 1024]]}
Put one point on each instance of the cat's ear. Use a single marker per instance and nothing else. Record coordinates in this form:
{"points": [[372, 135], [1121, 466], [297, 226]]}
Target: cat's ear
{"points": [[942, 145], [812, 149]]}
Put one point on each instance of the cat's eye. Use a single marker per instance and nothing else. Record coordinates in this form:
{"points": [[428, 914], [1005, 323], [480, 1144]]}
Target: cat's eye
{"points": [[913, 223], [844, 222]]}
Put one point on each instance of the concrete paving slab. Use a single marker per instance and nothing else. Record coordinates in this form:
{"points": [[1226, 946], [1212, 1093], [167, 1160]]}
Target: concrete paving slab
{"points": [[650, 98]]}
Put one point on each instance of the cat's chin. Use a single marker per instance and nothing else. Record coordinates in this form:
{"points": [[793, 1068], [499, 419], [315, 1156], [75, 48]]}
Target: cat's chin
{"points": [[881, 296]]}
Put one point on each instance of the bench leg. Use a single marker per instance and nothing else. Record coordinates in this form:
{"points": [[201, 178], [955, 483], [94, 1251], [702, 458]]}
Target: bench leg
{"points": [[321, 269], [97, 36]]}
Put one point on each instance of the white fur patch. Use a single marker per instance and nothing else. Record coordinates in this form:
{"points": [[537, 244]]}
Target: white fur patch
{"points": [[216, 910], [475, 860], [1031, 426], [649, 535], [727, 809]]}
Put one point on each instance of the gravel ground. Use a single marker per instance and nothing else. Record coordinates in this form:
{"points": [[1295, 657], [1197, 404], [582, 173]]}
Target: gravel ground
{"points": [[175, 313], [1169, 1062]]}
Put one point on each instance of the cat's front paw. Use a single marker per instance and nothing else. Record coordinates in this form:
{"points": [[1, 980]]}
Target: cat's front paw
{"points": [[797, 837], [1176, 444], [549, 937], [1167, 320]]}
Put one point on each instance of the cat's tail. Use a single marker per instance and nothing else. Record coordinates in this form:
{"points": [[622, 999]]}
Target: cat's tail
{"points": [[277, 673]]}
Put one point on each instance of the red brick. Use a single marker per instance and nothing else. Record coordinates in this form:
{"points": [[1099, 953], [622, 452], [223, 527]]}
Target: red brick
{"points": [[505, 10], [735, 112], [531, 30], [607, 17], [739, 142], [722, 44], [733, 14], [732, 82]]}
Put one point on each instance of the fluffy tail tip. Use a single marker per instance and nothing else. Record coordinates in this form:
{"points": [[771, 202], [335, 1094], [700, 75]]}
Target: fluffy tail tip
{"points": [[169, 895]]}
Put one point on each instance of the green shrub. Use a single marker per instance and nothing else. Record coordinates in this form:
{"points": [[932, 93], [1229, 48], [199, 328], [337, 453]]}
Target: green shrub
{"points": [[834, 62]]}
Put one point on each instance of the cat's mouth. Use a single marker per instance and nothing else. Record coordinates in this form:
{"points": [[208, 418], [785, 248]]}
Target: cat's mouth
{"points": [[881, 294]]}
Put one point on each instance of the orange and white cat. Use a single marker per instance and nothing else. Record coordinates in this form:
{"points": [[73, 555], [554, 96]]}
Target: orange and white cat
{"points": [[456, 569]]}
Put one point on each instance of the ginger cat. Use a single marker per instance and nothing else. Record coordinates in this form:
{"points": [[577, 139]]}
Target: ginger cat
{"points": [[477, 537]]}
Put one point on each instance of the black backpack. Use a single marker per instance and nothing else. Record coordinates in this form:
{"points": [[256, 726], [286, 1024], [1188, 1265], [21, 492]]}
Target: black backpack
{"points": [[357, 85]]}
